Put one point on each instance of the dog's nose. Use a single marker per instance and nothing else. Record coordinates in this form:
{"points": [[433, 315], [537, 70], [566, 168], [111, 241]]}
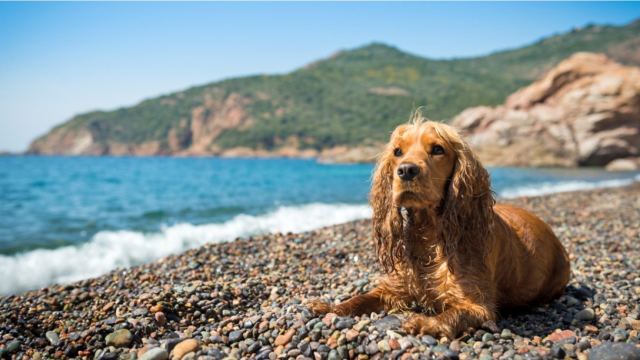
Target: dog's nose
{"points": [[407, 172]]}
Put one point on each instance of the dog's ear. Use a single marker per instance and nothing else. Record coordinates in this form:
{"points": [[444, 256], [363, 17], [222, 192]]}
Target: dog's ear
{"points": [[468, 205], [386, 219]]}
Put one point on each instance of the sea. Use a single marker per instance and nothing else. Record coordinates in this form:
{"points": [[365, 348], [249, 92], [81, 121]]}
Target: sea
{"points": [[64, 219]]}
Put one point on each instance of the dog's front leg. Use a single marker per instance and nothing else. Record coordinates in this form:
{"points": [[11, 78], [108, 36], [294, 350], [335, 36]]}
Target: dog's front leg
{"points": [[357, 305], [389, 294], [450, 322]]}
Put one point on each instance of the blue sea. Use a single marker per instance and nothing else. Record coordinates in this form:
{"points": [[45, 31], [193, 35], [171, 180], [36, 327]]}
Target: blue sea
{"points": [[68, 218]]}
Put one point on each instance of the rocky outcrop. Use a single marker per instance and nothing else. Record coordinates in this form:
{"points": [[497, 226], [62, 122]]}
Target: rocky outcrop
{"points": [[583, 112], [209, 120], [67, 141]]}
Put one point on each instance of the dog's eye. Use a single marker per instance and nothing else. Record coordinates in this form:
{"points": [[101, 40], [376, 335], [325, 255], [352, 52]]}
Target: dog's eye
{"points": [[437, 150], [397, 152]]}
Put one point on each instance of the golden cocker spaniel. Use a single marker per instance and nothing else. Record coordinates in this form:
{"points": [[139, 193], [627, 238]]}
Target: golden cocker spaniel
{"points": [[445, 245]]}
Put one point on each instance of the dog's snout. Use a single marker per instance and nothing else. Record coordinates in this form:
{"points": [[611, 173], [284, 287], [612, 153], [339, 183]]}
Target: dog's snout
{"points": [[407, 172]]}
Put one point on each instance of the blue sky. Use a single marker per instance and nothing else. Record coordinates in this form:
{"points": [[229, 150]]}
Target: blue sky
{"points": [[60, 59]]}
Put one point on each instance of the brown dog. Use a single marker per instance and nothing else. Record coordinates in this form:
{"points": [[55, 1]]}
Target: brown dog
{"points": [[443, 242]]}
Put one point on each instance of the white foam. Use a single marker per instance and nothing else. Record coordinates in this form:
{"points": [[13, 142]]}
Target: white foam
{"points": [[108, 250], [546, 188]]}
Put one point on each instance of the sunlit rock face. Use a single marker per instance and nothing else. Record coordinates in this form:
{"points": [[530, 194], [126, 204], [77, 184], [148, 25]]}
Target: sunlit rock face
{"points": [[583, 112]]}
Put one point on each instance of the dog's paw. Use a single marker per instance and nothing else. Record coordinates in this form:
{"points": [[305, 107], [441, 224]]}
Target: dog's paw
{"points": [[319, 307], [415, 325], [419, 324]]}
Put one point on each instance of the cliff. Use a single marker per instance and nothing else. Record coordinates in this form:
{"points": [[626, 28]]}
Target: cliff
{"points": [[583, 112], [336, 108]]}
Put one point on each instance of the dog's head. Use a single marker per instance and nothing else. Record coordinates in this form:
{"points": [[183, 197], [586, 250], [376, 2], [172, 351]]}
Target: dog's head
{"points": [[427, 167]]}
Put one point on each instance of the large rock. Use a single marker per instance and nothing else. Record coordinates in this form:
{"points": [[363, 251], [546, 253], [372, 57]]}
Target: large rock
{"points": [[583, 112]]}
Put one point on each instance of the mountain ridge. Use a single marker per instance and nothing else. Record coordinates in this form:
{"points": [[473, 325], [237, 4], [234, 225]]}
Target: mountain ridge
{"points": [[350, 99]]}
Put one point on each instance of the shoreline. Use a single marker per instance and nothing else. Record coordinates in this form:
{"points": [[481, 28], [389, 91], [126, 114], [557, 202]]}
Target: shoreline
{"points": [[245, 298]]}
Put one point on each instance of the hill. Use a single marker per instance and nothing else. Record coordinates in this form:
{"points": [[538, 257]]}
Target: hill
{"points": [[352, 98]]}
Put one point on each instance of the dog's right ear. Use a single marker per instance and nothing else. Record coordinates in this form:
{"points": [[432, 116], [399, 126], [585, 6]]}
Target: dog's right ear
{"points": [[386, 219]]}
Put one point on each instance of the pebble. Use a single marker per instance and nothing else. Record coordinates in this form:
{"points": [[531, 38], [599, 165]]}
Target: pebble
{"points": [[119, 338], [351, 335], [387, 323], [52, 337], [505, 334], [235, 336], [160, 317], [155, 354], [285, 338], [429, 340], [184, 347], [13, 346], [585, 315], [246, 299], [611, 351], [344, 323]]}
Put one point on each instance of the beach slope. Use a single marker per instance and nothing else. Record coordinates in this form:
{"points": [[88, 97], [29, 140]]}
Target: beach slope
{"points": [[245, 298]]}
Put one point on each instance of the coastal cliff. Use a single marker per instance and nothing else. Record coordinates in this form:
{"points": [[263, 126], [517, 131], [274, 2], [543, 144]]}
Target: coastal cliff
{"points": [[583, 112], [337, 109]]}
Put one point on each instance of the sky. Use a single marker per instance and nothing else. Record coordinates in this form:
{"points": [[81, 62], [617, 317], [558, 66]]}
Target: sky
{"points": [[61, 59]]}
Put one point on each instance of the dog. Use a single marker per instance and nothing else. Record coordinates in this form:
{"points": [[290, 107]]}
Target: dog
{"points": [[445, 247]]}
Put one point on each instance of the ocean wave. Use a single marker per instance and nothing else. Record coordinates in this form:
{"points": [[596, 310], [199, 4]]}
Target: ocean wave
{"points": [[108, 250], [546, 188]]}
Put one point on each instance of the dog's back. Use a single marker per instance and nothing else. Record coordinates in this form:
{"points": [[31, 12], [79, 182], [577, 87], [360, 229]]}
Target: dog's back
{"points": [[538, 263]]}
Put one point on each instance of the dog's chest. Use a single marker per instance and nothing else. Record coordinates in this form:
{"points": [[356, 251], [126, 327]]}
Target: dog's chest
{"points": [[428, 282]]}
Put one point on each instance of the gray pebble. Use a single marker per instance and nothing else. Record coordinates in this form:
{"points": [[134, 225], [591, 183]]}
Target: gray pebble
{"points": [[585, 315], [155, 354], [53, 338]]}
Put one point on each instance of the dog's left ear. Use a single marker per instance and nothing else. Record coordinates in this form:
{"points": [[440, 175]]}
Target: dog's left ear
{"points": [[468, 206], [386, 219]]}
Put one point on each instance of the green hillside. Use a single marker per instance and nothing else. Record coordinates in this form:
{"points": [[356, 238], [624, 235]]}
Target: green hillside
{"points": [[355, 96]]}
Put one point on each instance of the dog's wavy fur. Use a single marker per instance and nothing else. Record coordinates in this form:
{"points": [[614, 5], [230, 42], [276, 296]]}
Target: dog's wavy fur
{"points": [[448, 249]]}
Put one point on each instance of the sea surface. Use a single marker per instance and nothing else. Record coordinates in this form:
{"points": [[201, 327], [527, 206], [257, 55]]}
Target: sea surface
{"points": [[68, 218]]}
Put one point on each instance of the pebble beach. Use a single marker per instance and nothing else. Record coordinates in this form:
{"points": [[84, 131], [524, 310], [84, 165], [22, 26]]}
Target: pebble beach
{"points": [[246, 299]]}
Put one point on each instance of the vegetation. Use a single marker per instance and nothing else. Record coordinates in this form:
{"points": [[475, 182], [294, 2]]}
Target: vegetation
{"points": [[355, 96]]}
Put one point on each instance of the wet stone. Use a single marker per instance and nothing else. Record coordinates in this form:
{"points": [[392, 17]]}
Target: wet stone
{"points": [[235, 336], [387, 323], [155, 354], [52, 337], [119, 338], [585, 315]]}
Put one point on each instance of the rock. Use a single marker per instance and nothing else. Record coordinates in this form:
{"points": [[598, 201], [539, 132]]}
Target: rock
{"points": [[285, 338], [505, 334], [614, 351], [235, 336], [13, 346], [344, 323], [383, 346], [558, 352], [160, 317], [429, 340], [372, 348], [628, 164], [184, 347], [351, 335], [585, 315], [387, 323], [52, 337], [155, 354], [361, 325], [584, 111], [559, 336], [119, 338], [450, 354], [486, 337]]}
